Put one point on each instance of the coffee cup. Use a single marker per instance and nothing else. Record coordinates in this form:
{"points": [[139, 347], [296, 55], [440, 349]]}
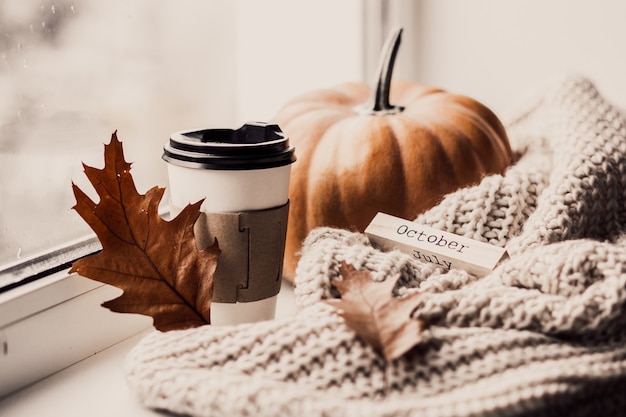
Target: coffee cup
{"points": [[243, 176]]}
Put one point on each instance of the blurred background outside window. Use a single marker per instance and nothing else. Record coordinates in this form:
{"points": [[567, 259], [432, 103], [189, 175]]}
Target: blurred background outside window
{"points": [[74, 71]]}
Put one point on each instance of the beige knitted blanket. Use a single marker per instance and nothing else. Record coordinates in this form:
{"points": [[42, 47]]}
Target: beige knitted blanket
{"points": [[544, 334]]}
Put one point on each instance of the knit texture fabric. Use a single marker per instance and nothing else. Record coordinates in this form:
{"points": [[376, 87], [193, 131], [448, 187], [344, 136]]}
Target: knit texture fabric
{"points": [[543, 335]]}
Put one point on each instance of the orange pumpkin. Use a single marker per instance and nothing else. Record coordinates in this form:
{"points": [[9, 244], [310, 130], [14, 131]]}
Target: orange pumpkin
{"points": [[358, 157]]}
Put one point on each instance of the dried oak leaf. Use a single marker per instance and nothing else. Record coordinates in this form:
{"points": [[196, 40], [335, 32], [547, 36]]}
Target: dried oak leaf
{"points": [[155, 262], [371, 310]]}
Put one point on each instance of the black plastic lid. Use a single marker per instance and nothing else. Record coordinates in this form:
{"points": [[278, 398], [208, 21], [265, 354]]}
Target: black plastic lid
{"points": [[255, 145]]}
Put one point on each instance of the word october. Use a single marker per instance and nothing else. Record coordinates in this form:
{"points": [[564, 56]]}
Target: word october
{"points": [[436, 240]]}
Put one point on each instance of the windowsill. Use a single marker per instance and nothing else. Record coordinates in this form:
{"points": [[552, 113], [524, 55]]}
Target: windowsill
{"points": [[93, 387], [96, 386]]}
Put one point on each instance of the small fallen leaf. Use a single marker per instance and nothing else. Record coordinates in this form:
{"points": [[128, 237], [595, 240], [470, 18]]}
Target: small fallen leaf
{"points": [[155, 262], [371, 310]]}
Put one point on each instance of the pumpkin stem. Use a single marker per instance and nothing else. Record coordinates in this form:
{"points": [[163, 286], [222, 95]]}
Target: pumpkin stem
{"points": [[379, 102]]}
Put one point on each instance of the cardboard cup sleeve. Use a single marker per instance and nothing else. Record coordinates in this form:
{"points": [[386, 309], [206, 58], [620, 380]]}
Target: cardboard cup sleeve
{"points": [[252, 245]]}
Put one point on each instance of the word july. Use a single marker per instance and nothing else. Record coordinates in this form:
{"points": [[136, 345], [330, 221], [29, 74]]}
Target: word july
{"points": [[433, 259], [436, 240]]}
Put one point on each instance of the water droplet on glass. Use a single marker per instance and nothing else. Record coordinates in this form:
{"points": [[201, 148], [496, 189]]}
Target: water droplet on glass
{"points": [[19, 253], [43, 25], [72, 9], [53, 9]]}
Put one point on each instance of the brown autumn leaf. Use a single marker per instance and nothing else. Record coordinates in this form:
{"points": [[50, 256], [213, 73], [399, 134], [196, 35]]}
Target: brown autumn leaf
{"points": [[155, 262], [371, 310]]}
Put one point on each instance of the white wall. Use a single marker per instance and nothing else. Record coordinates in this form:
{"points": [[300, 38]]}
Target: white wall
{"points": [[296, 47], [496, 50]]}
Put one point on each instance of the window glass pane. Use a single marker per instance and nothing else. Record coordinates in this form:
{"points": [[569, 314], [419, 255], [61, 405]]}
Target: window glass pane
{"points": [[71, 73], [74, 71]]}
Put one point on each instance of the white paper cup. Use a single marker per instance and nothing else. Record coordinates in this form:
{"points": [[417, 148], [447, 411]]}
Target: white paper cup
{"points": [[243, 177]]}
